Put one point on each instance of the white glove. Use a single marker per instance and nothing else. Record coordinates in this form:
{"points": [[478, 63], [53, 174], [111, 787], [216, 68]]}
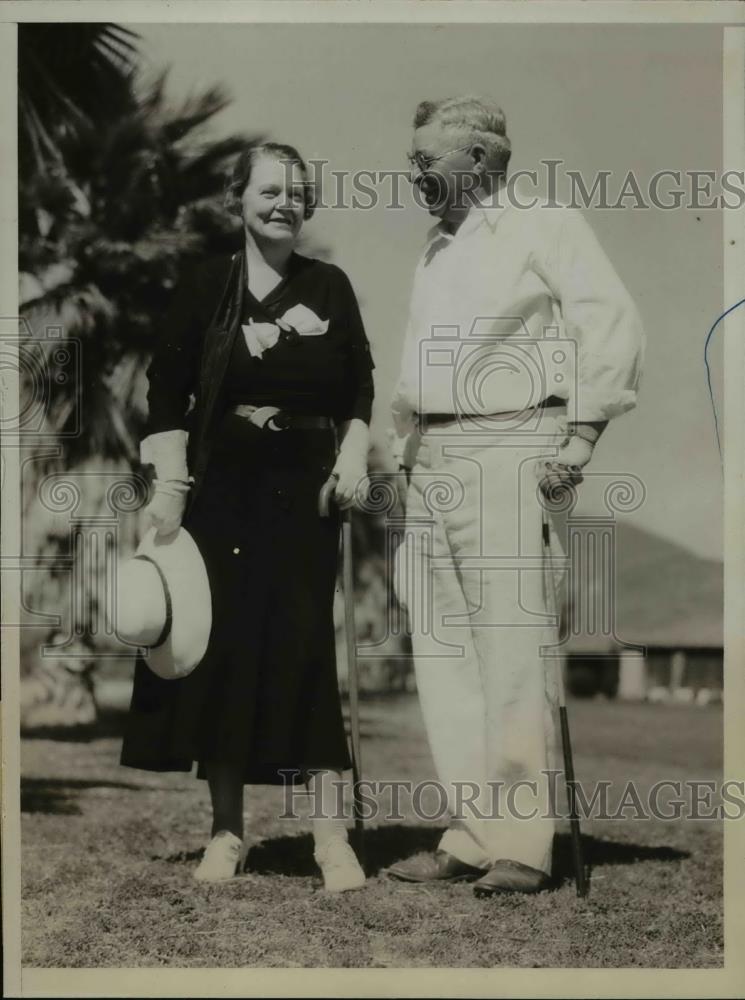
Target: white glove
{"points": [[351, 466], [166, 509], [352, 485], [167, 452]]}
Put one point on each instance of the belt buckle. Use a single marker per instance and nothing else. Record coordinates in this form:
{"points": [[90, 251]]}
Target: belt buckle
{"points": [[280, 421], [270, 418]]}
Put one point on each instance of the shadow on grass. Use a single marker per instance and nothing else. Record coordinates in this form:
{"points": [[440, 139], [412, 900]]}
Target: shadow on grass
{"points": [[383, 846], [598, 853], [293, 856], [55, 796]]}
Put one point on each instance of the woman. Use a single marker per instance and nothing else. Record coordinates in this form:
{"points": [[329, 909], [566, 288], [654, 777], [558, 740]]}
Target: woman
{"points": [[265, 331]]}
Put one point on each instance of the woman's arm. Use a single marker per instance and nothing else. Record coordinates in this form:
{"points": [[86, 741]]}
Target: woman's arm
{"points": [[353, 424], [172, 373], [172, 377]]}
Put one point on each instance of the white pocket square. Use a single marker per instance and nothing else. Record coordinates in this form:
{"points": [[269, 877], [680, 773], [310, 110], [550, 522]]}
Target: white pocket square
{"points": [[261, 336], [305, 321]]}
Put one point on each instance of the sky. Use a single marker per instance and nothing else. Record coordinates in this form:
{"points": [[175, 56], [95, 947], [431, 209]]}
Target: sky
{"points": [[598, 97]]}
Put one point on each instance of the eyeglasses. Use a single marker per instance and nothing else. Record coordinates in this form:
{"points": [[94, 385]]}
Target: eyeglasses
{"points": [[425, 162]]}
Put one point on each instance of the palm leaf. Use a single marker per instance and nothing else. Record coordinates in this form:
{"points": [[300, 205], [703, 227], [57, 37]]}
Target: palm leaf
{"points": [[69, 75], [135, 193], [194, 113]]}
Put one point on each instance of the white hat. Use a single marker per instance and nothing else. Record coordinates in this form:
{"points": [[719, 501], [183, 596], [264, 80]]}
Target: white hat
{"points": [[163, 603]]}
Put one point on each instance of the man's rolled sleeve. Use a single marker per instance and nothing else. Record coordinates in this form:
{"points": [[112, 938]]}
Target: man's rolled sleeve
{"points": [[600, 317]]}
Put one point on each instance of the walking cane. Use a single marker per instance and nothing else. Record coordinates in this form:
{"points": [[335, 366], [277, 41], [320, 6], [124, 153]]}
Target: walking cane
{"points": [[324, 498], [566, 743]]}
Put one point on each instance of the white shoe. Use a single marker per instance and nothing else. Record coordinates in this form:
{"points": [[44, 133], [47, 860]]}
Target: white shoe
{"points": [[339, 865], [223, 858]]}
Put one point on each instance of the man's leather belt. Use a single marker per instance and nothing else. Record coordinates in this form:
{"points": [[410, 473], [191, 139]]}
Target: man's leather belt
{"points": [[434, 419], [274, 419]]}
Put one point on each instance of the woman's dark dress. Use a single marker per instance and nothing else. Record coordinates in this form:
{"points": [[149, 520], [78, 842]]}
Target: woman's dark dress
{"points": [[265, 696]]}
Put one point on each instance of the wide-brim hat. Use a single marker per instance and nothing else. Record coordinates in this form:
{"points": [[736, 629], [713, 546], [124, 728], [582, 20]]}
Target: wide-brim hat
{"points": [[163, 603]]}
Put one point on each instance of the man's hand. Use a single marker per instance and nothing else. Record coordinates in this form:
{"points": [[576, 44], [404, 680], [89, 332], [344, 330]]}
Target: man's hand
{"points": [[401, 486], [564, 470]]}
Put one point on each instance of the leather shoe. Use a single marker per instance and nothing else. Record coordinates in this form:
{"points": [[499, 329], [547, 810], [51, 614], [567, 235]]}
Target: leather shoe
{"points": [[437, 867], [511, 876]]}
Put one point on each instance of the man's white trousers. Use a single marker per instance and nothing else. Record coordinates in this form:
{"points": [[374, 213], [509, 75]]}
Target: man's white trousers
{"points": [[470, 573]]}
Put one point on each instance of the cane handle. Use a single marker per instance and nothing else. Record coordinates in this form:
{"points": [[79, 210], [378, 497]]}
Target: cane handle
{"points": [[326, 494]]}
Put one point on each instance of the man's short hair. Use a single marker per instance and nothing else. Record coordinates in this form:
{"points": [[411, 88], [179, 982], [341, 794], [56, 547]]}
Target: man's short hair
{"points": [[481, 118]]}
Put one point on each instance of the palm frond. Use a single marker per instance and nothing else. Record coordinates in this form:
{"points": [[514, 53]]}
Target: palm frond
{"points": [[80, 309], [151, 96], [69, 75], [212, 160], [195, 112], [118, 44], [108, 225]]}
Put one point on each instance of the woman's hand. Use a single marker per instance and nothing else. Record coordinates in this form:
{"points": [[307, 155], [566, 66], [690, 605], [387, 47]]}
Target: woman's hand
{"points": [[166, 451], [351, 465], [166, 509], [352, 483]]}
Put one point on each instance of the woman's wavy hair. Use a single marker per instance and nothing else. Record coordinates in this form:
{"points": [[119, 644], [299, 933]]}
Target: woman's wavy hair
{"points": [[241, 174]]}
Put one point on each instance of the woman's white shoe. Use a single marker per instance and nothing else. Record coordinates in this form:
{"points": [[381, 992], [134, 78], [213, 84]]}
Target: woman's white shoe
{"points": [[223, 858], [339, 865]]}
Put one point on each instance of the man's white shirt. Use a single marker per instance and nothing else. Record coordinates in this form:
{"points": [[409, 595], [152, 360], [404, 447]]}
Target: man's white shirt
{"points": [[517, 306]]}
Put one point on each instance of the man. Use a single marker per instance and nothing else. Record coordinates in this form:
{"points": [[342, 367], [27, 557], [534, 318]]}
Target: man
{"points": [[521, 345]]}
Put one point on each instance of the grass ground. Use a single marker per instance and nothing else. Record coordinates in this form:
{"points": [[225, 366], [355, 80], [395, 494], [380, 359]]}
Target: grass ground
{"points": [[108, 855]]}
